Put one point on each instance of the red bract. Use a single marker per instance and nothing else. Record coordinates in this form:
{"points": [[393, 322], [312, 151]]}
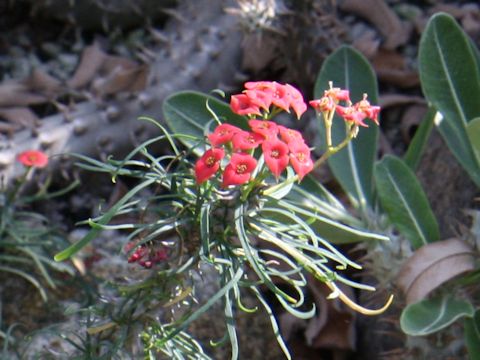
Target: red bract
{"points": [[290, 135], [268, 129], [370, 111], [300, 159], [33, 158], [352, 114], [239, 170], [275, 153], [208, 164], [281, 97], [337, 94], [241, 104], [244, 140], [260, 98], [222, 134], [296, 100], [324, 104]]}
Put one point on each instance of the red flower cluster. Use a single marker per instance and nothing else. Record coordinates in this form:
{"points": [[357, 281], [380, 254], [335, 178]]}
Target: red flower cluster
{"points": [[144, 255], [33, 158], [355, 113], [261, 95], [281, 146]]}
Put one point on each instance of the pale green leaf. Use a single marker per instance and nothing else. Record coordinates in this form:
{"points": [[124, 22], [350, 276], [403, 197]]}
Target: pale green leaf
{"points": [[431, 315], [420, 139], [450, 80], [472, 336], [473, 132]]}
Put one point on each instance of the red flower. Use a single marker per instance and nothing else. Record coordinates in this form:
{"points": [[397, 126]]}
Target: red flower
{"points": [[33, 158], [241, 104], [244, 140], [222, 134], [290, 135], [268, 129], [275, 153], [352, 114], [239, 170], [300, 159], [296, 100], [208, 164]]}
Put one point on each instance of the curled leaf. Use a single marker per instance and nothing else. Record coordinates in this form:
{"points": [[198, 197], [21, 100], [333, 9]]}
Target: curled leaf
{"points": [[432, 265]]}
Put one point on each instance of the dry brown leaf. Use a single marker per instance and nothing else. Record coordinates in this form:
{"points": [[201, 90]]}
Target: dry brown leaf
{"points": [[378, 13], [432, 265], [391, 67], [334, 326], [90, 63], [43, 83], [16, 93], [260, 52], [388, 100], [367, 43], [121, 79], [411, 119], [22, 116]]}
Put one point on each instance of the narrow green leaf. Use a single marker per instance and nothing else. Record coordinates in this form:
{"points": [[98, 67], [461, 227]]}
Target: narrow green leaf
{"points": [[353, 166], [473, 132], [188, 113], [420, 139], [404, 201], [431, 315], [450, 80], [472, 336], [105, 219]]}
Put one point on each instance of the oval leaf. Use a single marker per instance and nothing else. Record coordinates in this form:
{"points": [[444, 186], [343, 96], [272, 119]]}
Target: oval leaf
{"points": [[187, 112], [353, 166], [432, 265], [428, 316], [404, 202], [451, 82]]}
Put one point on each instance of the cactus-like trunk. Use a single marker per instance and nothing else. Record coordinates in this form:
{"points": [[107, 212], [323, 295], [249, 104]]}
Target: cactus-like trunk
{"points": [[200, 51]]}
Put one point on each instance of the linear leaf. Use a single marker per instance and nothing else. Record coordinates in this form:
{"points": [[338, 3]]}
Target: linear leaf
{"points": [[420, 139], [429, 316], [473, 132], [450, 80], [353, 166], [404, 201], [472, 335]]}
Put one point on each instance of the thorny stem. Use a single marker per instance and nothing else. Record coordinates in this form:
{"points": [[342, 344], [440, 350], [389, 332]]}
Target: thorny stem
{"points": [[319, 274]]}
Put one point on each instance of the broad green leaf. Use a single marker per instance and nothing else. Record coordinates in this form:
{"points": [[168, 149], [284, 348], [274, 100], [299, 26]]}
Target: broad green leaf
{"points": [[420, 139], [473, 132], [431, 315], [404, 201], [352, 166], [450, 80], [188, 112], [472, 336]]}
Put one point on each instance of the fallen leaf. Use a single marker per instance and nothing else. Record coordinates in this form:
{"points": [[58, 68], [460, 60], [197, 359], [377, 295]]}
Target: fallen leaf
{"points": [[432, 265], [43, 83], [391, 67], [20, 115], [16, 93], [120, 80], [90, 63], [378, 13], [411, 119]]}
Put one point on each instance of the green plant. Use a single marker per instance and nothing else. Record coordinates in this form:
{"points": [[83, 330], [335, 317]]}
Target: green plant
{"points": [[437, 276], [231, 201], [27, 238]]}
